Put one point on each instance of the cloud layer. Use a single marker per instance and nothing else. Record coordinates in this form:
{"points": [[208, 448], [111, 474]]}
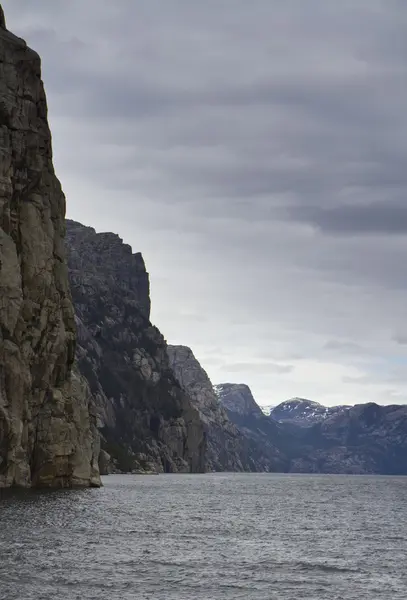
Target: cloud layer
{"points": [[255, 153]]}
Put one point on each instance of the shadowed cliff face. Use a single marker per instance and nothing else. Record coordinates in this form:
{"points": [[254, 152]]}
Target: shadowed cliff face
{"points": [[229, 449], [264, 433], [146, 419], [47, 431], [226, 448], [237, 398]]}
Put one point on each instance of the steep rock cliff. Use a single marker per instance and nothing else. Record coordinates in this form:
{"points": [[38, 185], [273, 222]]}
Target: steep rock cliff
{"points": [[47, 429], [242, 409], [227, 448], [238, 398], [147, 421]]}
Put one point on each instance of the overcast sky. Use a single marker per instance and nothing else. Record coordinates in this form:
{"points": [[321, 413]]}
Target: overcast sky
{"points": [[256, 154]]}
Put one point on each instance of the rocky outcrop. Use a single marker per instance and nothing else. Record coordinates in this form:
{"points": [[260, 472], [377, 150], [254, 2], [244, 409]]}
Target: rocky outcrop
{"points": [[238, 399], [47, 429], [147, 421], [265, 435], [227, 448], [304, 412]]}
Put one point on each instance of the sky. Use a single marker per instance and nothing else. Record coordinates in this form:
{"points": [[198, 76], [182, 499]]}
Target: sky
{"points": [[256, 154]]}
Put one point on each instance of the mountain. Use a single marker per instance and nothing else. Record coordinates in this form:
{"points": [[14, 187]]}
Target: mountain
{"points": [[366, 438], [303, 412], [244, 412], [228, 449], [147, 421], [238, 399], [224, 442], [48, 433]]}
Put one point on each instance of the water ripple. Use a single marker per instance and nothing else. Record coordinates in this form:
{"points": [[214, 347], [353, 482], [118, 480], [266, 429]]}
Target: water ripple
{"points": [[208, 537]]}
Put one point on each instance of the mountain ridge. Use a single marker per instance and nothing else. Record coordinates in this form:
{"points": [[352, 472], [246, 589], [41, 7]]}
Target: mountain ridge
{"points": [[147, 422], [303, 411], [365, 438]]}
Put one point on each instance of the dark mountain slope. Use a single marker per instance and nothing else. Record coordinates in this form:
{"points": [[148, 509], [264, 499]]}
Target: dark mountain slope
{"points": [[365, 438], [228, 449], [146, 419]]}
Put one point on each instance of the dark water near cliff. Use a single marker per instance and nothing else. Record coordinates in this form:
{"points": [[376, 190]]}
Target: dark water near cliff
{"points": [[208, 537]]}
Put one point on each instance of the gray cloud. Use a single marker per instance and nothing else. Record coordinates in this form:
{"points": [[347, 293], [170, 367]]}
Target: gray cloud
{"points": [[258, 367], [385, 218], [256, 154], [401, 338], [343, 346]]}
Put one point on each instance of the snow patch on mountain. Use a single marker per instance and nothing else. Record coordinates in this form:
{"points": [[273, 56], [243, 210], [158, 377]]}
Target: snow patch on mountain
{"points": [[304, 412]]}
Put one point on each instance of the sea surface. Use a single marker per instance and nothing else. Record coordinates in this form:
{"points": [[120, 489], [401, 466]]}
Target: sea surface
{"points": [[208, 537]]}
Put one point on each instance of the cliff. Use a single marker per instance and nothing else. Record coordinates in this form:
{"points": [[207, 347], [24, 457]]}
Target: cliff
{"points": [[238, 399], [244, 412], [47, 428], [227, 448], [146, 419]]}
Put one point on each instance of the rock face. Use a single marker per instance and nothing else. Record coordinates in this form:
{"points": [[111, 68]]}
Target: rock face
{"points": [[237, 398], [304, 412], [47, 429], [147, 421], [264, 434], [227, 448]]}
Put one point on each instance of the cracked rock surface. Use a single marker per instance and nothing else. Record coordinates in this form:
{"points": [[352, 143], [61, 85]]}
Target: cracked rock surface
{"points": [[229, 448], [147, 421], [48, 431]]}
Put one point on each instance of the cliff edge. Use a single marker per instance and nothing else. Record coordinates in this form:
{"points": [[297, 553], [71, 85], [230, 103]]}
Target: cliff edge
{"points": [[229, 448], [47, 427], [147, 421]]}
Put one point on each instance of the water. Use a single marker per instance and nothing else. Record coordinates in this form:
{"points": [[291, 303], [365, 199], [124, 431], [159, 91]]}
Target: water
{"points": [[208, 537]]}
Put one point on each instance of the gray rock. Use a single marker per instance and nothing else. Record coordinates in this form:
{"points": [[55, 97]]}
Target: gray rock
{"points": [[237, 398], [227, 449], [267, 436], [147, 421], [47, 426]]}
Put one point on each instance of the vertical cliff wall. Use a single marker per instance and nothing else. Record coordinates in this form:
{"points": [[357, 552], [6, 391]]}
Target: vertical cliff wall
{"points": [[147, 420], [47, 430], [229, 448], [226, 447]]}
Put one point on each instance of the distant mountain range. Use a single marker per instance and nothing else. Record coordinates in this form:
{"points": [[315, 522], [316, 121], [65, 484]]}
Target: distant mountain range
{"points": [[303, 412], [366, 438]]}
